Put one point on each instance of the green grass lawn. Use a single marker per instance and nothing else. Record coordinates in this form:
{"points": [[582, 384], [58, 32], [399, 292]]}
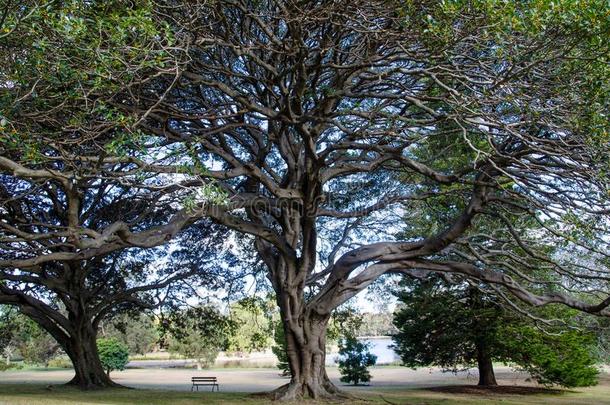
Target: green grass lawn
{"points": [[28, 394]]}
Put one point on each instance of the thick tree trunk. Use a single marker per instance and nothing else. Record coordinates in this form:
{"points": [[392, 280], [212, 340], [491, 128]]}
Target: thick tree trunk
{"points": [[486, 369], [306, 352], [82, 350], [304, 323], [77, 337]]}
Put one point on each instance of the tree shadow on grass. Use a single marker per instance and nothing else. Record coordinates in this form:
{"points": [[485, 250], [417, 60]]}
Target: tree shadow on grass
{"points": [[497, 390]]}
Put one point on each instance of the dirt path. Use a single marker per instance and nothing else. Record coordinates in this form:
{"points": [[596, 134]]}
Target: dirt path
{"points": [[256, 380]]}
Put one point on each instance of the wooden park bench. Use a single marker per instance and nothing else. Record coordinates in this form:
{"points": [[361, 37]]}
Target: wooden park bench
{"points": [[197, 381]]}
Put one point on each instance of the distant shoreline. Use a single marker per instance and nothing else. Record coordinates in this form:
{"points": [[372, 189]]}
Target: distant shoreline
{"points": [[374, 337]]}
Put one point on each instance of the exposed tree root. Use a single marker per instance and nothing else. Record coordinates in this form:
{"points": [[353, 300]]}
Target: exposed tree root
{"points": [[92, 386], [295, 391]]}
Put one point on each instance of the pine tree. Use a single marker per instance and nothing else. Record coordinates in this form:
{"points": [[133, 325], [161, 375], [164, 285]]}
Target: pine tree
{"points": [[455, 326], [355, 358]]}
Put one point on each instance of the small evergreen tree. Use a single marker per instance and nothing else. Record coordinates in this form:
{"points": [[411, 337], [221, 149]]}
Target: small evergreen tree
{"points": [[114, 355], [354, 360], [279, 349]]}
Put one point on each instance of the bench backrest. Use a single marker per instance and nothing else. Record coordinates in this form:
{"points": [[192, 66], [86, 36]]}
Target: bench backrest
{"points": [[203, 379]]}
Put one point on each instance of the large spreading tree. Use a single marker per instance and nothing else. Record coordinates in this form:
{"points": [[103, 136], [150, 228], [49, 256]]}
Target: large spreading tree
{"points": [[74, 227], [320, 123], [314, 126]]}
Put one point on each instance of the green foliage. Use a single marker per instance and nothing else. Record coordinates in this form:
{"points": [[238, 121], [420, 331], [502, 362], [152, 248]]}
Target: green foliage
{"points": [[444, 324], [199, 333], [210, 193], [564, 359], [136, 331], [504, 33], [439, 324], [344, 322], [354, 360], [279, 348], [60, 362], [499, 20], [114, 355], [254, 319], [66, 62], [600, 328], [376, 324], [6, 326], [9, 366], [36, 345], [18, 333]]}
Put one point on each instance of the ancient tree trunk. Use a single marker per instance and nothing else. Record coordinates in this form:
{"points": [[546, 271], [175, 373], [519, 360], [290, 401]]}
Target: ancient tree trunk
{"points": [[81, 347], [306, 353], [484, 361]]}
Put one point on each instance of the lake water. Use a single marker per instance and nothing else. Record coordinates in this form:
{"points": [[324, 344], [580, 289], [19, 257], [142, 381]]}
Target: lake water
{"points": [[379, 347]]}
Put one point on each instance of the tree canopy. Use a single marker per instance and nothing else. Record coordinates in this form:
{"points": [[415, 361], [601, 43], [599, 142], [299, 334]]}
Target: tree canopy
{"points": [[311, 128]]}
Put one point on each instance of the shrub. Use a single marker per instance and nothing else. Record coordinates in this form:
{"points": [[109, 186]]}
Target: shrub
{"points": [[4, 366], [60, 362], [114, 355]]}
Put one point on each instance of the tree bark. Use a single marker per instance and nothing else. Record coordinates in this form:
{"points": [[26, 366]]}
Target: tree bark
{"points": [[77, 337], [485, 364], [306, 353], [81, 347]]}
